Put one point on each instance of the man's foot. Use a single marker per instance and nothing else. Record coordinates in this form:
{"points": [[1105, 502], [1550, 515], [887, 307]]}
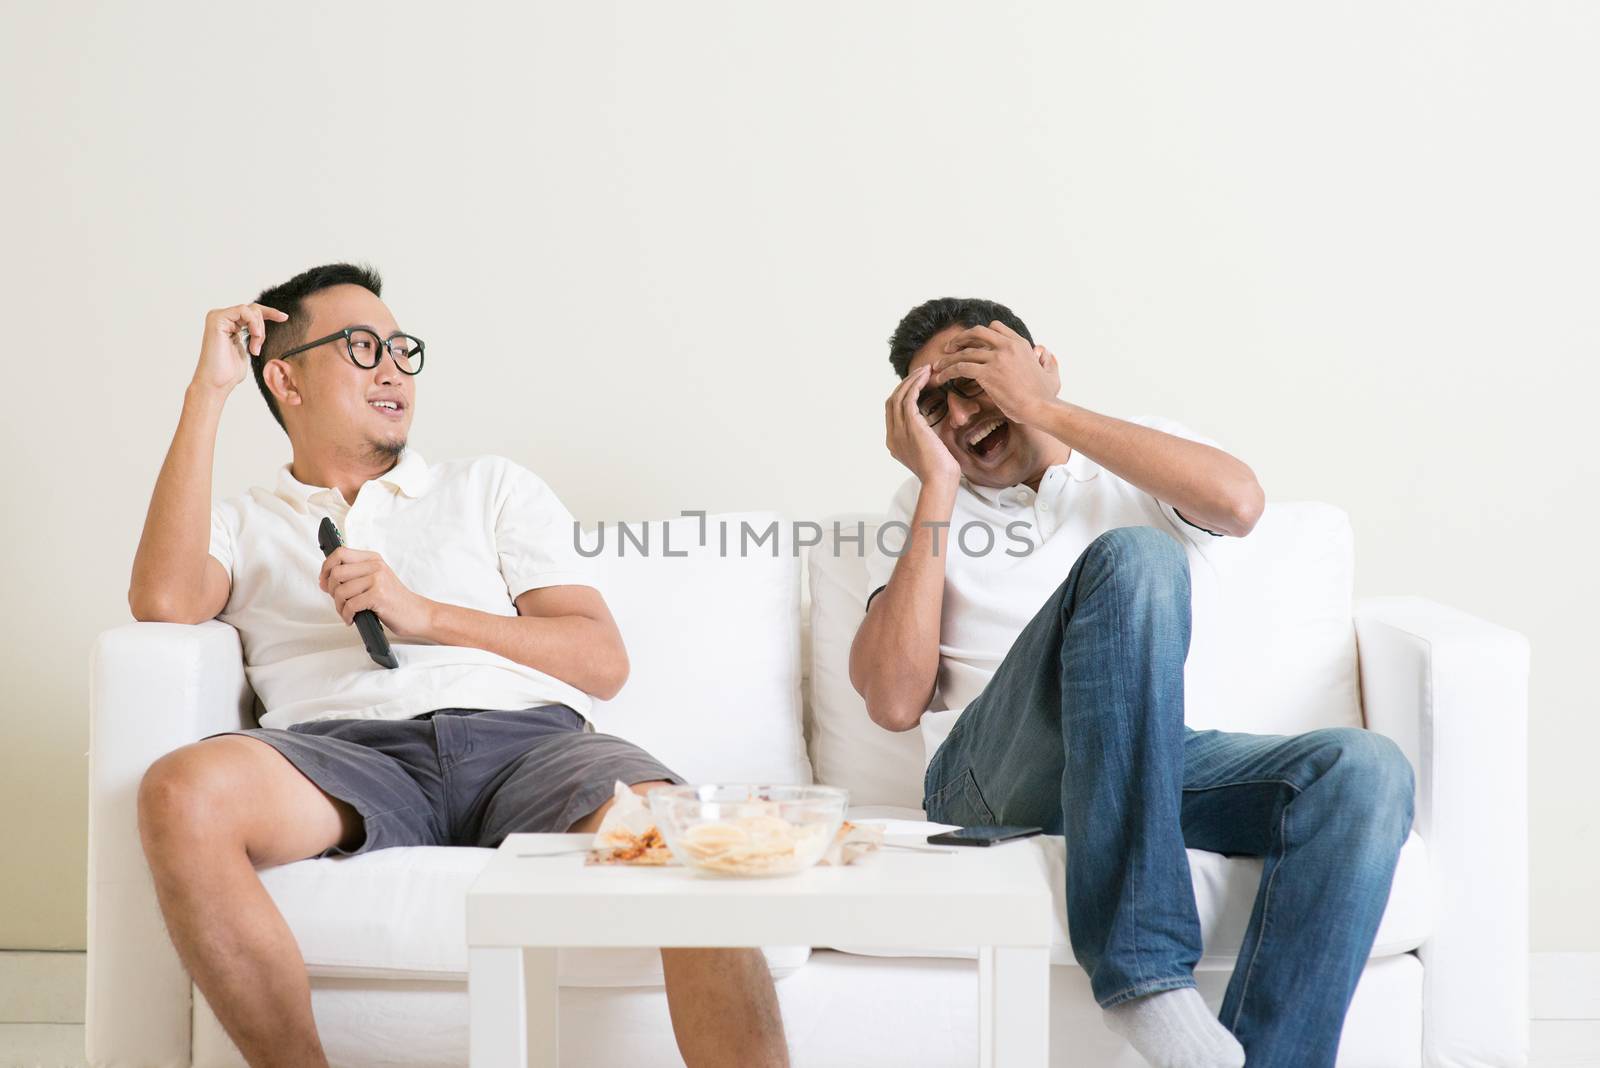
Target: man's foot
{"points": [[1174, 1029]]}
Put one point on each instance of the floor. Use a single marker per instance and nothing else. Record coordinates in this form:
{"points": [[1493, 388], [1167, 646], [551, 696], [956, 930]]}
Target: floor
{"points": [[1565, 995], [41, 1044], [1556, 1044], [1566, 1044]]}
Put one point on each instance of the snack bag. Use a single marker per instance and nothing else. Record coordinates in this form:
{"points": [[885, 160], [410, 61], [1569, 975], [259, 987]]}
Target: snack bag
{"points": [[855, 841], [628, 833]]}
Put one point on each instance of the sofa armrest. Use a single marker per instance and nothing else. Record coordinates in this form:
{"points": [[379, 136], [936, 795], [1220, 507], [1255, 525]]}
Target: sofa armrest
{"points": [[1452, 691], [153, 688]]}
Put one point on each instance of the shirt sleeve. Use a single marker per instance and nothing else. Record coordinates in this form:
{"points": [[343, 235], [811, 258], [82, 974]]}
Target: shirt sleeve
{"points": [[535, 536], [222, 537], [1186, 527], [890, 541]]}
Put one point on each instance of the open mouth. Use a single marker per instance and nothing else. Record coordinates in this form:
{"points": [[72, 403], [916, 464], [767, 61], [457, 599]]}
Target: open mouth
{"points": [[388, 408], [986, 441]]}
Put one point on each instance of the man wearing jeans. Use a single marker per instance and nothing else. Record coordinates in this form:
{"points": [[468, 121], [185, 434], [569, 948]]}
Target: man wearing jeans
{"points": [[1035, 625]]}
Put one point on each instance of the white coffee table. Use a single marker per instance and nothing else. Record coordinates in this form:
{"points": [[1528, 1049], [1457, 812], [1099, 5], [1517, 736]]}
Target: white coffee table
{"points": [[522, 908]]}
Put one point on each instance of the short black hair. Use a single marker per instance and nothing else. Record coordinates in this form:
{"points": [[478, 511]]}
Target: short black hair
{"points": [[289, 297], [927, 319]]}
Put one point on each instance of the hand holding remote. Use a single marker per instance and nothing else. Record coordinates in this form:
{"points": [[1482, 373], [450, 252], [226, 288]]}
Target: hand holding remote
{"points": [[365, 620]]}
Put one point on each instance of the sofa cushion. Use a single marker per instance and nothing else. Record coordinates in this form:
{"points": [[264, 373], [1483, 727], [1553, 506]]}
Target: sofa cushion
{"points": [[1273, 647], [877, 766], [1224, 893], [402, 914], [713, 642]]}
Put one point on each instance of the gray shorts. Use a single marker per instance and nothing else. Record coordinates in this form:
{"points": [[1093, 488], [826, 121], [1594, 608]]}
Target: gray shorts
{"points": [[462, 776]]}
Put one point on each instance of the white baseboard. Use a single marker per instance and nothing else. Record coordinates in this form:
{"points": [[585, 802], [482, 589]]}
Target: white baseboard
{"points": [[1564, 986], [41, 988]]}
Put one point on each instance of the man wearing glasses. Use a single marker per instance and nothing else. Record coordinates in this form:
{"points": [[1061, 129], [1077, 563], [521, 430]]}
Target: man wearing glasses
{"points": [[1036, 625], [479, 732]]}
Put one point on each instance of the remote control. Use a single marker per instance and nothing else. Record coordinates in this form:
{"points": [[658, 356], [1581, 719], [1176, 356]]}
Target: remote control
{"points": [[367, 623]]}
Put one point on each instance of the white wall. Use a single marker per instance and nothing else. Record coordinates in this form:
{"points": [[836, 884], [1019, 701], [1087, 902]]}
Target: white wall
{"points": [[656, 250]]}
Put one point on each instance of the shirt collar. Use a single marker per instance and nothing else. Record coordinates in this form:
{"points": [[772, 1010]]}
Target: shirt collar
{"points": [[409, 475], [1078, 467]]}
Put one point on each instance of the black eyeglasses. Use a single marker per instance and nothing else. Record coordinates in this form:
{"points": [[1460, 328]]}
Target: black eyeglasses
{"points": [[934, 402], [365, 348]]}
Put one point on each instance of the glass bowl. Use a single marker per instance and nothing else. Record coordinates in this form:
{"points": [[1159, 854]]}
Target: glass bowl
{"points": [[748, 831]]}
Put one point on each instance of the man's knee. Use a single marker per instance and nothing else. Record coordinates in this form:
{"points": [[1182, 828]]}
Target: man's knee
{"points": [[231, 797], [1372, 778], [183, 798], [234, 796], [1139, 547], [1142, 559]]}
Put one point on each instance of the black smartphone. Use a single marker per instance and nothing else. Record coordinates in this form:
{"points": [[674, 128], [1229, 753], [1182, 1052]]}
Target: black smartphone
{"points": [[983, 836]]}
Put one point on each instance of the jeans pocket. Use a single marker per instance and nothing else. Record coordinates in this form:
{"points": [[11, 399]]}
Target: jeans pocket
{"points": [[960, 802]]}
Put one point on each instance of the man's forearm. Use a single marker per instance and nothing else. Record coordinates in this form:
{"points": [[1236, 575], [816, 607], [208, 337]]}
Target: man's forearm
{"points": [[579, 651], [894, 660], [169, 567], [1210, 487]]}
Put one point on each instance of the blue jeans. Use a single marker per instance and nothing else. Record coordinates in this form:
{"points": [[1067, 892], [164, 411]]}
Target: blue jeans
{"points": [[1081, 732]]}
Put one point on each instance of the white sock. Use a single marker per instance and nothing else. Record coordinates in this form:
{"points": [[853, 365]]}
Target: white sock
{"points": [[1175, 1029]]}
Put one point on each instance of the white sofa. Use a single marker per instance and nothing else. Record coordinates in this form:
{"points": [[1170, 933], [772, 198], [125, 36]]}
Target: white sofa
{"points": [[716, 691]]}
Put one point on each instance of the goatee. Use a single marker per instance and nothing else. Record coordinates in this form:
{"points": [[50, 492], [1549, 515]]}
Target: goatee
{"points": [[386, 453]]}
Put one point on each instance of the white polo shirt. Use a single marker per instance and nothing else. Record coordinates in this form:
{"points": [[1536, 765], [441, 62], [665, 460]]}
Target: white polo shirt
{"points": [[991, 594], [475, 533]]}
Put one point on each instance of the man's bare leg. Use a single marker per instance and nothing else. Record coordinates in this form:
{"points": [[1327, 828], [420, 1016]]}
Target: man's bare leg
{"points": [[209, 815], [723, 1005], [724, 1008]]}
